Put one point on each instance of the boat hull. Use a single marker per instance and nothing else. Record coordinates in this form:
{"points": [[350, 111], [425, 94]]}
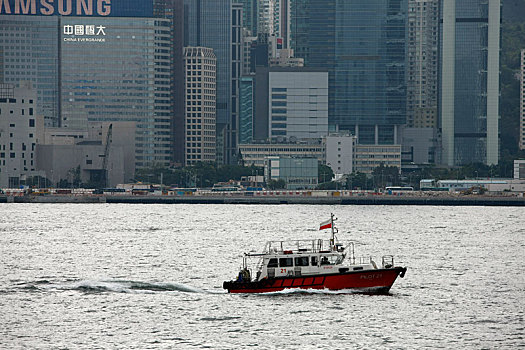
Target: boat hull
{"points": [[377, 281]]}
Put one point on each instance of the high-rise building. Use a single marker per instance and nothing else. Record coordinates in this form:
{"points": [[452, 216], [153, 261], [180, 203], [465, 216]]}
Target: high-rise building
{"points": [[29, 49], [121, 71], [217, 24], [249, 45], [237, 66], [422, 63], [522, 101], [246, 108], [281, 23], [298, 103], [469, 81], [174, 10], [265, 17], [361, 43], [200, 77], [290, 103], [94, 64], [249, 15]]}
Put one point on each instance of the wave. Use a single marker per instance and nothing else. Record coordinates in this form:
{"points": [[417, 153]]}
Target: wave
{"points": [[116, 286]]}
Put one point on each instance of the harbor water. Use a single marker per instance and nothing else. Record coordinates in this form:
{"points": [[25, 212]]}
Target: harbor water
{"points": [[97, 276]]}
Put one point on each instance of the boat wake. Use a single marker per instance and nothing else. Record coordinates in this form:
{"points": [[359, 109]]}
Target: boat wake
{"points": [[116, 286]]}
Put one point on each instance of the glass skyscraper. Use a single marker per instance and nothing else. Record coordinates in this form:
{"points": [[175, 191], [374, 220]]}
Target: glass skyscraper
{"points": [[120, 71], [29, 51], [361, 43], [95, 68], [469, 71]]}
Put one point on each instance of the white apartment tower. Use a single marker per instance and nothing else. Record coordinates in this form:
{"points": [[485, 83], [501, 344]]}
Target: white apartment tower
{"points": [[522, 101], [200, 117]]}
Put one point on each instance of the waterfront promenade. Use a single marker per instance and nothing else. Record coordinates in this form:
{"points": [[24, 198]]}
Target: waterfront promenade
{"points": [[281, 197]]}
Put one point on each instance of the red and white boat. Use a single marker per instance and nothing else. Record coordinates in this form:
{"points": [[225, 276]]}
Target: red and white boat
{"points": [[314, 264]]}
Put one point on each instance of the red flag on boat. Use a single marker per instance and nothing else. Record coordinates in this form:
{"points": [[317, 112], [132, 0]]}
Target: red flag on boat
{"points": [[325, 225]]}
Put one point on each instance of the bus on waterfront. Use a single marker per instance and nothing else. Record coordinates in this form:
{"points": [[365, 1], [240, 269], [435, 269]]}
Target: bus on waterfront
{"points": [[398, 189]]}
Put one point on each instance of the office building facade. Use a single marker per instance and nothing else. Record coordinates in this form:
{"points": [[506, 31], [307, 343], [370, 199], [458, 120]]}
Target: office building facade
{"points": [[522, 101], [94, 64], [119, 70], [249, 15], [19, 128], [29, 49], [246, 108], [469, 89], [362, 45], [369, 157], [422, 64], [201, 91], [265, 16], [255, 153], [218, 25], [298, 173], [174, 11], [339, 150], [297, 104]]}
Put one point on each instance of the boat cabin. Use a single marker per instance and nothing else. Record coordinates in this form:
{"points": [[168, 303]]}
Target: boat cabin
{"points": [[305, 258]]}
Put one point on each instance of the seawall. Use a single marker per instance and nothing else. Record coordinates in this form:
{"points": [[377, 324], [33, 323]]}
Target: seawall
{"points": [[357, 200]]}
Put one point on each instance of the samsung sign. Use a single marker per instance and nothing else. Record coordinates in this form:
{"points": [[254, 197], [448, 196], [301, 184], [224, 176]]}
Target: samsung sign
{"points": [[114, 8]]}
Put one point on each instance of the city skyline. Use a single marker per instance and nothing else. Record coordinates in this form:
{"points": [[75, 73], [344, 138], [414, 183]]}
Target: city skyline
{"points": [[399, 72]]}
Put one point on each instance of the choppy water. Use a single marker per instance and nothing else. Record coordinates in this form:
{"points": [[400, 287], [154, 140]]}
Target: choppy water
{"points": [[150, 277]]}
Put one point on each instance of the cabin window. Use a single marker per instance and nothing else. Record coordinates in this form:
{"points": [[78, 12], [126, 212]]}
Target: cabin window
{"points": [[272, 262], [285, 262], [301, 261], [314, 261]]}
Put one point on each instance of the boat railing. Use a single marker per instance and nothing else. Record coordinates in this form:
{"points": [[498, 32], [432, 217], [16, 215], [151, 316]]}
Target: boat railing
{"points": [[388, 261], [302, 246], [364, 260]]}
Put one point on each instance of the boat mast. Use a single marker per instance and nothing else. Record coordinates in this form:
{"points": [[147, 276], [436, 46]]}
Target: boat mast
{"points": [[332, 240]]}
